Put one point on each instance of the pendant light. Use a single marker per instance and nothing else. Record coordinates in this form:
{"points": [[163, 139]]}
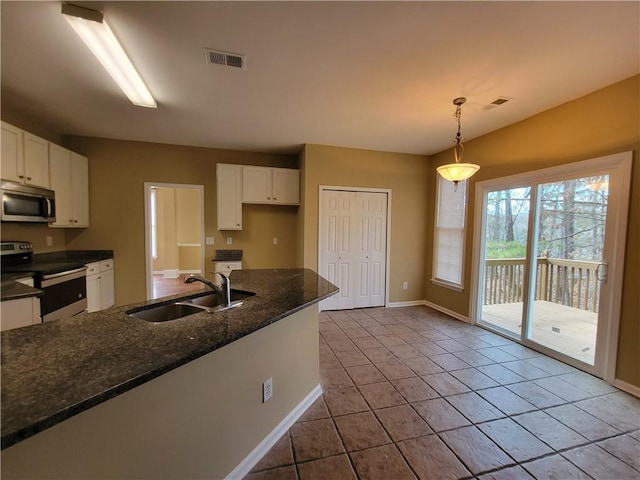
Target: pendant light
{"points": [[456, 172]]}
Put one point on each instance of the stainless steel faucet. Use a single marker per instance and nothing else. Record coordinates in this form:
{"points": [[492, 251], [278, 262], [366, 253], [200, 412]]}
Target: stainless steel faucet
{"points": [[224, 291]]}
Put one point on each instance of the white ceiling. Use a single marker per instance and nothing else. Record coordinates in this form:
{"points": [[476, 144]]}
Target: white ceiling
{"points": [[374, 75]]}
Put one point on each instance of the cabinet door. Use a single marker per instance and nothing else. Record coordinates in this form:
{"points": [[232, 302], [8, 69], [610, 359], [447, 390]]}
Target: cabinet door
{"points": [[12, 163], [229, 196], [256, 185], [93, 291], [19, 313], [80, 190], [36, 160], [286, 186], [107, 296], [60, 181]]}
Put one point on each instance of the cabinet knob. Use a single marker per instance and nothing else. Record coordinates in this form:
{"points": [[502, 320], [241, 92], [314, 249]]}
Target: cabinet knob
{"points": [[20, 176], [28, 178]]}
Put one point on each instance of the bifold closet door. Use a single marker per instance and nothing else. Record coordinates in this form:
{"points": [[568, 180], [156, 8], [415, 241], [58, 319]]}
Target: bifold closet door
{"points": [[353, 234]]}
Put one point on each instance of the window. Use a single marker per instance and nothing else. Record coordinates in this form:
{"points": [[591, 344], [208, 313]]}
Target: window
{"points": [[448, 252]]}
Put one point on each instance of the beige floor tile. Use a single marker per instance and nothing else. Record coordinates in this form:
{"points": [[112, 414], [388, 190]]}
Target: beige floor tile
{"points": [[334, 468], [515, 440], [334, 378], [404, 351], [280, 473], [430, 458], [473, 358], [381, 395], [550, 430], [279, 455], [500, 374], [381, 463], [379, 355], [344, 401], [585, 424], [554, 467], [356, 332], [360, 431], [402, 422], [365, 343], [440, 415], [414, 389], [428, 348], [509, 473], [422, 365], [506, 401], [478, 453], [316, 411], [315, 439], [395, 369], [350, 359], [474, 407], [525, 369], [536, 395], [473, 378], [445, 384], [365, 374], [624, 447], [600, 464], [449, 362]]}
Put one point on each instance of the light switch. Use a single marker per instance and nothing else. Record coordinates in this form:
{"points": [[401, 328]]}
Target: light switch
{"points": [[209, 240], [229, 240], [275, 240]]}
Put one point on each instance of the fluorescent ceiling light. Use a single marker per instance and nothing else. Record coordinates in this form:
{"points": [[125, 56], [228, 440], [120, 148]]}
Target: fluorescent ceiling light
{"points": [[96, 34]]}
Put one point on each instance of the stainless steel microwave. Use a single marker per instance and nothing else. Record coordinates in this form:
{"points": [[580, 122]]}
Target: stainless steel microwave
{"points": [[25, 203]]}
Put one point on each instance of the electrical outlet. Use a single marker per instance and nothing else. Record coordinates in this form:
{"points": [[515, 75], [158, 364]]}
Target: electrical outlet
{"points": [[275, 240], [405, 285], [49, 241], [267, 389], [229, 240]]}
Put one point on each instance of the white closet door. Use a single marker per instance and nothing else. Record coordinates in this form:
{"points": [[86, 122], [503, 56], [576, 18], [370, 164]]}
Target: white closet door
{"points": [[353, 248]]}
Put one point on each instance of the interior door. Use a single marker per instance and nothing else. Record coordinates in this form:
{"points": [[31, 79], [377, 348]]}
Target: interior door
{"points": [[548, 244]]}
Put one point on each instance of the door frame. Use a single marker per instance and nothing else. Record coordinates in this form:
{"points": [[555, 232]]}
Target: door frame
{"points": [[322, 189], [619, 165], [147, 228]]}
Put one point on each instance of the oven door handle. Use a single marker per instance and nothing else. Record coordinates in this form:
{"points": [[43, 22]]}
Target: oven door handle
{"points": [[69, 274]]}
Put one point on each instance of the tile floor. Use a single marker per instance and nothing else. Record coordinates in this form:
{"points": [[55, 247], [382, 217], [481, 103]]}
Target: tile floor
{"points": [[411, 393]]}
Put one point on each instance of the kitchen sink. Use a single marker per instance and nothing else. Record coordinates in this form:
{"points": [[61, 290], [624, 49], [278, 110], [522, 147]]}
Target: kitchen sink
{"points": [[164, 313], [208, 302]]}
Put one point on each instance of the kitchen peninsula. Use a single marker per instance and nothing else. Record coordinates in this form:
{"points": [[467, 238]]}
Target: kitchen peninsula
{"points": [[105, 395]]}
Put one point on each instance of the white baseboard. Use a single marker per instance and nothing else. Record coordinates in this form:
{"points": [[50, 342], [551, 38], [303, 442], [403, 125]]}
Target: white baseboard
{"points": [[269, 441], [451, 313], [412, 303], [170, 273], [627, 387], [187, 272]]}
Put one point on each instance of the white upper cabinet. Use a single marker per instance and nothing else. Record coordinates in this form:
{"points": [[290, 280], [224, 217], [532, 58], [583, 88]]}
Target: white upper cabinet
{"points": [[25, 157], [270, 185], [69, 175], [229, 196]]}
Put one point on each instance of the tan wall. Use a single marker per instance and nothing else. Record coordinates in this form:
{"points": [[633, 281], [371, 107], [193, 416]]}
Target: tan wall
{"points": [[188, 216], [117, 173], [406, 175], [166, 230], [604, 122]]}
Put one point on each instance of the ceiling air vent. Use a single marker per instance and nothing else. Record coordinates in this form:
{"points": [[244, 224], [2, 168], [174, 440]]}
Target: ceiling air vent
{"points": [[496, 103], [217, 57]]}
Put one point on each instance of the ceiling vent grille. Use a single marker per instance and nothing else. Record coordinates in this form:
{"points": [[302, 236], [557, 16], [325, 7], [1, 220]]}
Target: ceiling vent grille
{"points": [[217, 57], [496, 103]]}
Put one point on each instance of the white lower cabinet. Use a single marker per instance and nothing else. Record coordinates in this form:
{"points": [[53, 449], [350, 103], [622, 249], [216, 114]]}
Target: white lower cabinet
{"points": [[20, 313], [226, 268], [100, 285]]}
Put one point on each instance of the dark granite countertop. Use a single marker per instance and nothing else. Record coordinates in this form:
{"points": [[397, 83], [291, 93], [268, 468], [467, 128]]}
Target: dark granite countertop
{"points": [[12, 290], [228, 256], [58, 369]]}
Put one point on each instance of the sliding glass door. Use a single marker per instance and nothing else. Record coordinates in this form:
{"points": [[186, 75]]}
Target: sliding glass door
{"points": [[544, 257]]}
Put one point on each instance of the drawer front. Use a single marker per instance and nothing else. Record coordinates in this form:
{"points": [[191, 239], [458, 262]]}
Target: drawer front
{"points": [[106, 265], [93, 268], [226, 267]]}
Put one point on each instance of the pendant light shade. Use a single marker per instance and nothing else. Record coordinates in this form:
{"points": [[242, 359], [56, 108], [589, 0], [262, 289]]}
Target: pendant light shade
{"points": [[457, 172]]}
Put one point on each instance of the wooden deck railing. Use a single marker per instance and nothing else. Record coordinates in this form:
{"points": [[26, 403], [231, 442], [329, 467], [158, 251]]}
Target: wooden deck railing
{"points": [[567, 282]]}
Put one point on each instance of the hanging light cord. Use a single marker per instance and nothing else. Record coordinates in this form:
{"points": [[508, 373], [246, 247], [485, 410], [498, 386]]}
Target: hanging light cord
{"points": [[458, 149]]}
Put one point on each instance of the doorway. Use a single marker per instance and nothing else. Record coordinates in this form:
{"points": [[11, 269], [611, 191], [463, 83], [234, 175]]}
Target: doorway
{"points": [[548, 259], [353, 239], [174, 236]]}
